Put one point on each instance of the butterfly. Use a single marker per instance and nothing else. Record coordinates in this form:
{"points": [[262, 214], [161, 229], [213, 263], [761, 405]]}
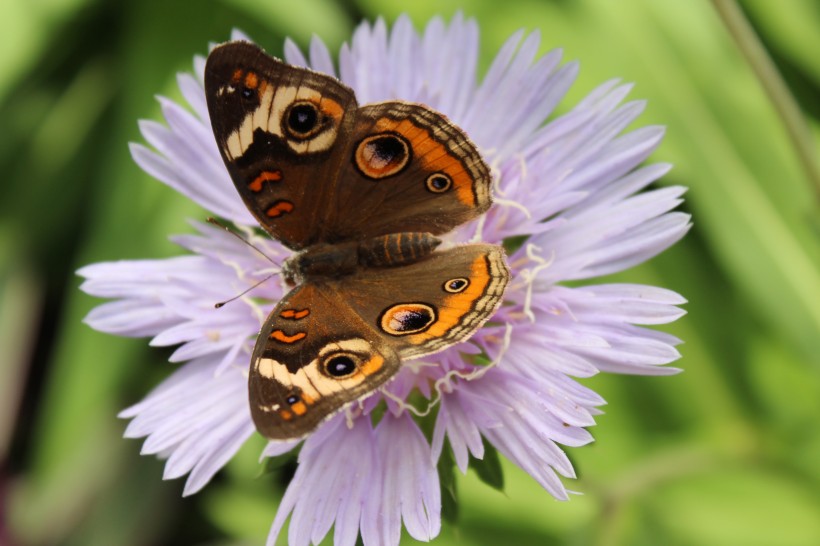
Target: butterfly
{"points": [[360, 194]]}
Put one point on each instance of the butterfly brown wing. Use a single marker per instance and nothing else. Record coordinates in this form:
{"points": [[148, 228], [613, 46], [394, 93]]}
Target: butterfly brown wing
{"points": [[424, 307], [282, 132], [330, 343], [314, 167], [313, 356], [408, 169]]}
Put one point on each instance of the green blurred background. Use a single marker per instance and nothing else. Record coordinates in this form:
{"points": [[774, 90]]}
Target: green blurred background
{"points": [[727, 453]]}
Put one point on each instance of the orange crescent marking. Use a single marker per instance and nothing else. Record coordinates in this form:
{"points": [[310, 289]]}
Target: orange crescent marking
{"points": [[282, 337], [279, 208], [371, 366], [331, 108], [264, 176], [237, 75], [286, 415], [251, 81], [294, 314]]}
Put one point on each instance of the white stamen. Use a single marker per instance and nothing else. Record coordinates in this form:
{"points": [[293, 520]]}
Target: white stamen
{"points": [[516, 205], [478, 236], [495, 174], [403, 406], [522, 162], [530, 275]]}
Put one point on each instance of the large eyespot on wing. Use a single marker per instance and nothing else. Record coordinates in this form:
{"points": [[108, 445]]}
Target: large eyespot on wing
{"points": [[441, 150], [382, 154], [403, 319], [310, 124], [249, 91]]}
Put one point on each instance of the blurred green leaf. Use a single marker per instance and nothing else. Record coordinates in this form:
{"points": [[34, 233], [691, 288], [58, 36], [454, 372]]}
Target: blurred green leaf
{"points": [[272, 465], [793, 29], [24, 31], [243, 513], [489, 468], [449, 491]]}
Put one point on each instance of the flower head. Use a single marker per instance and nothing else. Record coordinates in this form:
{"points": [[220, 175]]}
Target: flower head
{"points": [[568, 204]]}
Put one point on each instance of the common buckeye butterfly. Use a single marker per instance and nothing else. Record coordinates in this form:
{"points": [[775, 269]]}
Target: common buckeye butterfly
{"points": [[360, 193]]}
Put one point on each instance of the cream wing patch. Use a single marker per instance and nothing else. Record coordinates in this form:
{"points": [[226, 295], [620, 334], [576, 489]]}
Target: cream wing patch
{"points": [[313, 380], [284, 97], [269, 116]]}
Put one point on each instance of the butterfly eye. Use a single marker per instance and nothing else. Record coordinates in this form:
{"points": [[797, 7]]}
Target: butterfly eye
{"points": [[341, 365], [439, 183], [302, 120], [454, 286]]}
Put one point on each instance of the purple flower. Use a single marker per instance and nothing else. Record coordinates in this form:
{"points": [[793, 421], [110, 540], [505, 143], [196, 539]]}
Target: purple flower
{"points": [[568, 192]]}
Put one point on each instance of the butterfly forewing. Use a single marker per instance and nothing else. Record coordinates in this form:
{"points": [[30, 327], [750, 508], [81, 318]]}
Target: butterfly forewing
{"points": [[313, 167], [282, 132]]}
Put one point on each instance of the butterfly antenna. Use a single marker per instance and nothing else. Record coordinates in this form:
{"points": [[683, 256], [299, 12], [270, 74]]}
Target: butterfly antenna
{"points": [[214, 221], [222, 303]]}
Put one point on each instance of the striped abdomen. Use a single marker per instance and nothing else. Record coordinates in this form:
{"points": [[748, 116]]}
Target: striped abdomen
{"points": [[397, 249]]}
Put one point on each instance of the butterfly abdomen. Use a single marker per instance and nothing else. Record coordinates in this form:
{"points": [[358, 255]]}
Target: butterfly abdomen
{"points": [[396, 249], [338, 260]]}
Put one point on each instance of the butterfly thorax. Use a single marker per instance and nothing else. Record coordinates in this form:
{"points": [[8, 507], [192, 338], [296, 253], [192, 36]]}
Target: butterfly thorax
{"points": [[324, 260]]}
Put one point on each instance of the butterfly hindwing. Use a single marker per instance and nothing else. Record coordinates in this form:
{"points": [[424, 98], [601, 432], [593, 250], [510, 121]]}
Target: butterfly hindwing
{"points": [[313, 356], [426, 306], [328, 344]]}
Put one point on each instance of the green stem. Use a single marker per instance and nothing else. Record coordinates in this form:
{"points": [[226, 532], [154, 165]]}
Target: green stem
{"points": [[772, 82]]}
